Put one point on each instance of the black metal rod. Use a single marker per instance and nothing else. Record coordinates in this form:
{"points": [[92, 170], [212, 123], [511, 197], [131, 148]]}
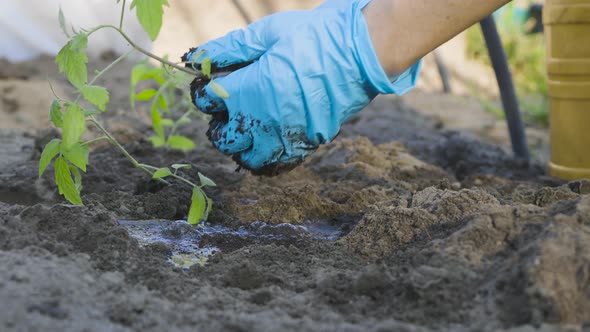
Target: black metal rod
{"points": [[443, 72], [507, 91], [242, 11]]}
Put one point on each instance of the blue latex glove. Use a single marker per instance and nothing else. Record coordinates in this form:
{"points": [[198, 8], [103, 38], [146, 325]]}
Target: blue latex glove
{"points": [[310, 71]]}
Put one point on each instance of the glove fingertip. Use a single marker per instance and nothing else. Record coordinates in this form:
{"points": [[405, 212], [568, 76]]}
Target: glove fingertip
{"points": [[204, 98], [188, 56]]}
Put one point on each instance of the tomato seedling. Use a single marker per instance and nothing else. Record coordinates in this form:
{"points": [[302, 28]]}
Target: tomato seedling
{"points": [[70, 155]]}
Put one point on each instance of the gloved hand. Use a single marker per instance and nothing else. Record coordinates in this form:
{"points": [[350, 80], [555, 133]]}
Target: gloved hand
{"points": [[309, 72]]}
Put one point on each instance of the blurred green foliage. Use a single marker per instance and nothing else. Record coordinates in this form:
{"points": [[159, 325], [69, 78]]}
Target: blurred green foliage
{"points": [[526, 56]]}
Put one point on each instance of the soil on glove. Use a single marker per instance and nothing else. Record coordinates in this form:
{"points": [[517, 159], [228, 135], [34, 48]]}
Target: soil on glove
{"points": [[427, 229]]}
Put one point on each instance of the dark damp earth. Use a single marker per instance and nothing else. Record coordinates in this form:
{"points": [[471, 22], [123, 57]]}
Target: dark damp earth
{"points": [[399, 225]]}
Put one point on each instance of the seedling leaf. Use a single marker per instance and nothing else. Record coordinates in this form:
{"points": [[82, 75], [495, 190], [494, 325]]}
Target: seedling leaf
{"points": [[72, 60], [146, 95], [138, 72], [77, 155], [96, 95], [163, 104], [167, 123], [90, 112], [49, 152], [183, 120], [197, 209], [77, 178], [181, 79], [62, 22], [157, 141], [157, 122], [65, 183], [150, 13], [143, 71], [158, 76], [206, 67], [162, 173], [74, 126], [219, 90], [181, 166], [180, 143], [209, 207], [56, 115], [205, 181], [196, 56]]}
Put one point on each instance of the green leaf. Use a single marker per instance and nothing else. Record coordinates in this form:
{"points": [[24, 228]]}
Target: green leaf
{"points": [[183, 120], [141, 71], [180, 143], [77, 155], [157, 122], [163, 104], [205, 181], [198, 55], [150, 13], [56, 115], [167, 123], [181, 79], [137, 72], [146, 95], [49, 152], [209, 207], [74, 126], [77, 178], [181, 166], [65, 183], [162, 173], [62, 22], [206, 67], [90, 112], [144, 71], [160, 76], [96, 95], [219, 90], [198, 205], [157, 141], [79, 42], [72, 60]]}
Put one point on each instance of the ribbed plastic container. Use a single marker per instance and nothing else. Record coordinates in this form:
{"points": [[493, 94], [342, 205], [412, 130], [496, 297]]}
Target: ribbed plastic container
{"points": [[567, 28]]}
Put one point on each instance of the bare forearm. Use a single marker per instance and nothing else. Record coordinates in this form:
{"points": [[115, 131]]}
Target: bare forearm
{"points": [[404, 31]]}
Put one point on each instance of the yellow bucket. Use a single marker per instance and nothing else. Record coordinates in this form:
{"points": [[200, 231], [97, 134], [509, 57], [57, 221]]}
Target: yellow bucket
{"points": [[567, 28]]}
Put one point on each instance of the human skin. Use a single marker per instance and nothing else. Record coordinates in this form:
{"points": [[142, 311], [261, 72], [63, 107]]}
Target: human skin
{"points": [[403, 31], [287, 102]]}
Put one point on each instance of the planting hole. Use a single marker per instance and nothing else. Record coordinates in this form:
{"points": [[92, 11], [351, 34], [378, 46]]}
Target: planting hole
{"points": [[192, 245]]}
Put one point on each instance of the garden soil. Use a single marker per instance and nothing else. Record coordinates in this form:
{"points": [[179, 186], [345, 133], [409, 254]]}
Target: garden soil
{"points": [[438, 230]]}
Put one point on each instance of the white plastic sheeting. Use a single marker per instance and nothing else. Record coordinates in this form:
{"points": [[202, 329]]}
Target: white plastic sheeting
{"points": [[29, 28]]}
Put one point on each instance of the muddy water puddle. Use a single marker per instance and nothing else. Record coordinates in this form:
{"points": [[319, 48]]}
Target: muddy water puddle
{"points": [[192, 245]]}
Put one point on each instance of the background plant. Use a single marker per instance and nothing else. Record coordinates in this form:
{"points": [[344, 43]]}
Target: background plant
{"points": [[70, 155], [164, 99], [526, 56]]}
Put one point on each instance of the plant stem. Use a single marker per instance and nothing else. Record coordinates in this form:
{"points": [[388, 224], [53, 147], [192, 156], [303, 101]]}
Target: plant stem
{"points": [[107, 68], [190, 183], [175, 127], [178, 177], [118, 145], [111, 65], [95, 140], [160, 91], [53, 90], [122, 15], [144, 51]]}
